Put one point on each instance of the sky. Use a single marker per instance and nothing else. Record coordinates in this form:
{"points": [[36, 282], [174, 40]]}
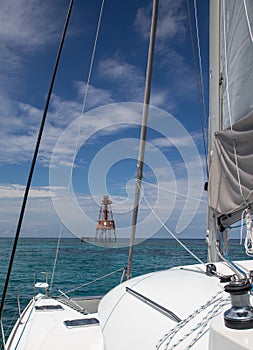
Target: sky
{"points": [[90, 143]]}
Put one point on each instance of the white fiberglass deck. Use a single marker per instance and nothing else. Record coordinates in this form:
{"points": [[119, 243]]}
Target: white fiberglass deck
{"points": [[43, 326], [143, 313], [183, 291]]}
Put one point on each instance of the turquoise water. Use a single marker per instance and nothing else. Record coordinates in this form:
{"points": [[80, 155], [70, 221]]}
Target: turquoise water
{"points": [[79, 262]]}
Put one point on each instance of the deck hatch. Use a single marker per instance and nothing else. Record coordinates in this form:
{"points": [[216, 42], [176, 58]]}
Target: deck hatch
{"points": [[48, 307], [82, 322]]}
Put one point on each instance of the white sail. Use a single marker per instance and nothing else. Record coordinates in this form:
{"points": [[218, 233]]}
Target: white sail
{"points": [[230, 184], [237, 60]]}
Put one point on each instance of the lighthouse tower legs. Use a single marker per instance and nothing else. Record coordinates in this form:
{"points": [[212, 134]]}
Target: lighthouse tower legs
{"points": [[105, 230]]}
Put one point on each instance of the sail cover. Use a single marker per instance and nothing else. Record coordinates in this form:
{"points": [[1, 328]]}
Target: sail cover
{"points": [[231, 173], [231, 168]]}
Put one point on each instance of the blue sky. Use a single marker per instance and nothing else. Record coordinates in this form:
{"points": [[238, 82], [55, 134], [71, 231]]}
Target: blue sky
{"points": [[106, 137]]}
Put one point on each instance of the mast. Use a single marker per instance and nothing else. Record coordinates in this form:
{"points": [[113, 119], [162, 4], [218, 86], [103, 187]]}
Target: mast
{"points": [[140, 163], [215, 112]]}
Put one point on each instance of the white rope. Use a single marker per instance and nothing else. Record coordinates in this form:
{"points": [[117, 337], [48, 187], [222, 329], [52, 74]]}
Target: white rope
{"points": [[86, 94], [200, 62], [3, 335], [226, 66], [95, 280], [248, 243], [56, 256], [248, 21], [171, 233], [174, 192], [217, 301], [93, 55], [78, 134], [241, 229], [178, 240]]}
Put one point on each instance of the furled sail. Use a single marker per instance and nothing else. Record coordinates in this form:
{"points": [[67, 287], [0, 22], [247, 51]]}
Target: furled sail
{"points": [[231, 171], [231, 180]]}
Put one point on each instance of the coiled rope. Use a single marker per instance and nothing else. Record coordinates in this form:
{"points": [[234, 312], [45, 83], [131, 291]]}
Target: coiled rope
{"points": [[248, 242], [216, 301]]}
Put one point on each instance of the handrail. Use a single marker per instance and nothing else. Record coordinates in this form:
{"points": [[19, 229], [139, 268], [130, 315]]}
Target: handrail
{"points": [[155, 305], [20, 321]]}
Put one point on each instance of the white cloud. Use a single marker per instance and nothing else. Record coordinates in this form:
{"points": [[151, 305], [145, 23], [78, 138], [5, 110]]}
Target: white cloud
{"points": [[32, 28], [177, 141], [19, 129], [125, 77], [25, 28], [17, 191], [29, 25], [95, 96], [42, 219], [20, 121], [171, 20], [170, 64]]}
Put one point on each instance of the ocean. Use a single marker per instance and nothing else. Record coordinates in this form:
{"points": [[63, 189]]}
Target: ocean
{"points": [[79, 263]]}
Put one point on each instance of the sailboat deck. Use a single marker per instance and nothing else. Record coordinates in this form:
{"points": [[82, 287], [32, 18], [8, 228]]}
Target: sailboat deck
{"points": [[49, 324], [83, 304]]}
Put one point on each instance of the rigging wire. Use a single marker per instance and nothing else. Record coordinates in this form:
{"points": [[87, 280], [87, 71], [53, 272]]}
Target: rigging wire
{"points": [[35, 155], [248, 20], [174, 192], [95, 280], [226, 67], [170, 232], [197, 73], [200, 68], [78, 133]]}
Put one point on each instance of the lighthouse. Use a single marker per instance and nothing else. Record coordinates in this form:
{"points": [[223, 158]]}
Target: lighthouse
{"points": [[105, 230]]}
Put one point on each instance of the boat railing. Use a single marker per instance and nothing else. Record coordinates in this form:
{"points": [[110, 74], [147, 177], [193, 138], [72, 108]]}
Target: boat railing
{"points": [[80, 304], [18, 302], [3, 335], [8, 321], [124, 269], [15, 327], [12, 312], [43, 285]]}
